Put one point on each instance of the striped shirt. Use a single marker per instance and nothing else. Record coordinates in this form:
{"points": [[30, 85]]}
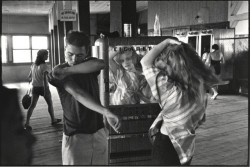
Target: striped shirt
{"points": [[180, 116]]}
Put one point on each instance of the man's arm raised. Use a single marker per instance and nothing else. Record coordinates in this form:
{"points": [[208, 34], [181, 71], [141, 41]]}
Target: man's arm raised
{"points": [[86, 67]]}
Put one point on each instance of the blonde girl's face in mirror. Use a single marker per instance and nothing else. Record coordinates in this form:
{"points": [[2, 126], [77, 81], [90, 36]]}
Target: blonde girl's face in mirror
{"points": [[126, 61]]}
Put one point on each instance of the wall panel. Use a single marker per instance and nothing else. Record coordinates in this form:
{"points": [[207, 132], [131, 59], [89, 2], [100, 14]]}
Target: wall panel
{"points": [[183, 13], [14, 24], [16, 73]]}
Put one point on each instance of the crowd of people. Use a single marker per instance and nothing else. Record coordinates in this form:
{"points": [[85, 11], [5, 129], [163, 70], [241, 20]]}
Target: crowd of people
{"points": [[171, 74]]}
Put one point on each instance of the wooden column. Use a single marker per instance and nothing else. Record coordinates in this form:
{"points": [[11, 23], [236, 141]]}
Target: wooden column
{"points": [[116, 17], [75, 23], [129, 15], [68, 25], [1, 82], [122, 12], [84, 17], [52, 48], [51, 45], [60, 31], [55, 37]]}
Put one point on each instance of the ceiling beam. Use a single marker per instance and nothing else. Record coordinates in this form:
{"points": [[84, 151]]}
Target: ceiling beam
{"points": [[243, 16], [235, 19], [234, 7]]}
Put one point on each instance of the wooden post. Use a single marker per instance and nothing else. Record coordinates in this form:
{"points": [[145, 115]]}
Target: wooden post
{"points": [[68, 25], [56, 58], [1, 82], [52, 48], [84, 17], [129, 16], [60, 31], [116, 17], [122, 12], [60, 41]]}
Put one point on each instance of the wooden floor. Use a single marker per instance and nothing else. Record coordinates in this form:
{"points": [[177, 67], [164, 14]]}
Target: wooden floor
{"points": [[222, 140]]}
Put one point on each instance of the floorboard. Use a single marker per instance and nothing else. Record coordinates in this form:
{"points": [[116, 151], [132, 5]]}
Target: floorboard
{"points": [[222, 140]]}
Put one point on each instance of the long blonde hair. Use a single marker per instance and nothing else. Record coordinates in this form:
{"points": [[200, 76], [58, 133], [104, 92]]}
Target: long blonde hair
{"points": [[187, 70], [134, 57]]}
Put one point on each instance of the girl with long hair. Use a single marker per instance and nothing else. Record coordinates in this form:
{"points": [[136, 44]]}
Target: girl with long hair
{"points": [[178, 80], [40, 87], [126, 77]]}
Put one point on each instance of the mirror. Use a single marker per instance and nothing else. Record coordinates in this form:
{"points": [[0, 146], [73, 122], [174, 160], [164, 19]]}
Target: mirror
{"points": [[127, 84]]}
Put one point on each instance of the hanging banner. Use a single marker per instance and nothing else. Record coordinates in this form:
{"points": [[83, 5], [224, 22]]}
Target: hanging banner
{"points": [[68, 15]]}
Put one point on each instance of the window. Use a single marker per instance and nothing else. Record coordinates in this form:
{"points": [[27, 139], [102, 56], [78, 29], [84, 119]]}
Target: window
{"points": [[21, 49], [4, 48], [24, 51], [38, 42], [25, 48]]}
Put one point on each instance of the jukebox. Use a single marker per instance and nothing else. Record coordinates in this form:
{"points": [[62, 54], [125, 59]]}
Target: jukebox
{"points": [[131, 146]]}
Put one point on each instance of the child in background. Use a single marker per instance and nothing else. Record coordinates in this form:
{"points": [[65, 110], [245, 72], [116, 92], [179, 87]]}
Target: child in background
{"points": [[178, 80]]}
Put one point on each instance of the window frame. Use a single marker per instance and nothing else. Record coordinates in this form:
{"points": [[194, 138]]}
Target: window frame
{"points": [[7, 49], [10, 48]]}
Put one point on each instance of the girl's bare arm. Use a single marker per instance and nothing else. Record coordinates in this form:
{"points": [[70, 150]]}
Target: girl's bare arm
{"points": [[149, 58]]}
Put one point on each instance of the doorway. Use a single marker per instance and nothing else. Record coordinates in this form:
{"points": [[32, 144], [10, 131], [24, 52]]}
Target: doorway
{"points": [[193, 41], [205, 43]]}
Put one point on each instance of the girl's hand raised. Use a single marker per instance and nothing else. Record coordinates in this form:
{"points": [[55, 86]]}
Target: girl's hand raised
{"points": [[172, 41]]}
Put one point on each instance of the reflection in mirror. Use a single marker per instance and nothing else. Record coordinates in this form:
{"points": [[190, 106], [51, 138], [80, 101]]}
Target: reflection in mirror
{"points": [[127, 84]]}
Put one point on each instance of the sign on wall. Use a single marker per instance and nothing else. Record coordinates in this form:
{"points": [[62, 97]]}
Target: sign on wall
{"points": [[68, 15]]}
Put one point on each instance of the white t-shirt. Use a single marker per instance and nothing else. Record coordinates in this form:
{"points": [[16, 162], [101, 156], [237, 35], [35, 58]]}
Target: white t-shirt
{"points": [[216, 55], [37, 74]]}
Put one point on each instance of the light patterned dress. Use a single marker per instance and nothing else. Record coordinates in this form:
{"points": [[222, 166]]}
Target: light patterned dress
{"points": [[180, 116]]}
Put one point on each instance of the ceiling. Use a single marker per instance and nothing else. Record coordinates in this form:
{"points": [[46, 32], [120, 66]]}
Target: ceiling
{"points": [[44, 7]]}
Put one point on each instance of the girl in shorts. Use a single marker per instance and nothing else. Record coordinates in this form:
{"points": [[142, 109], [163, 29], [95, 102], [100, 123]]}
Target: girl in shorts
{"points": [[37, 75]]}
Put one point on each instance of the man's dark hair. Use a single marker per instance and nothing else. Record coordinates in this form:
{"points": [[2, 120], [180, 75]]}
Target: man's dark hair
{"points": [[77, 38], [215, 47]]}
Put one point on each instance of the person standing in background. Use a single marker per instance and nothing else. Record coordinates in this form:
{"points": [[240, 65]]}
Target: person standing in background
{"points": [[214, 61], [40, 87]]}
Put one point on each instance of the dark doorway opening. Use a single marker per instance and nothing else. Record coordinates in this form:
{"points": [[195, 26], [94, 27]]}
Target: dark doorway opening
{"points": [[192, 40], [205, 43]]}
